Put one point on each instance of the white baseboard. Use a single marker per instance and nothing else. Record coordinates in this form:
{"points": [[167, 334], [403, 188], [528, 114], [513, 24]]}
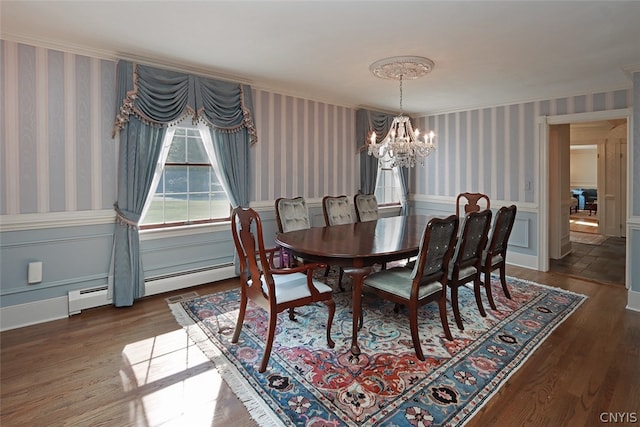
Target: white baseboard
{"points": [[521, 260], [159, 286], [633, 300], [32, 313], [21, 315]]}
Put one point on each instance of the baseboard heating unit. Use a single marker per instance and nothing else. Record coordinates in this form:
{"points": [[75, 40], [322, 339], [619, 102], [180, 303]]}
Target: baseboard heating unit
{"points": [[83, 299]]}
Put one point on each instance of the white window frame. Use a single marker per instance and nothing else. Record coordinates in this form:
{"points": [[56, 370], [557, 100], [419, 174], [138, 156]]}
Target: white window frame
{"points": [[159, 173]]}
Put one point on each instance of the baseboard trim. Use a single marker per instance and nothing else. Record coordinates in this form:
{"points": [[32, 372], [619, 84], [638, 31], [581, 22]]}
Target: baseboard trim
{"points": [[33, 313], [522, 260], [633, 300]]}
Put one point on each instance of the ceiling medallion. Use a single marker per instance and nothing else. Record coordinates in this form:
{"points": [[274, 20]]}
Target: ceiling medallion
{"points": [[407, 67]]}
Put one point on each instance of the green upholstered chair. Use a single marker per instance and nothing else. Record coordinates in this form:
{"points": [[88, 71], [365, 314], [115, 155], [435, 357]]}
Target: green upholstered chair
{"points": [[292, 214], [273, 290], [495, 255], [366, 207], [337, 211], [466, 263], [426, 281]]}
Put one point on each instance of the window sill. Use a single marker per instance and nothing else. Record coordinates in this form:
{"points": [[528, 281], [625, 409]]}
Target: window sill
{"points": [[183, 230]]}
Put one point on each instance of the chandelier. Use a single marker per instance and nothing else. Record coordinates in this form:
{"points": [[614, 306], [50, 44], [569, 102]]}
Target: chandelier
{"points": [[403, 145]]}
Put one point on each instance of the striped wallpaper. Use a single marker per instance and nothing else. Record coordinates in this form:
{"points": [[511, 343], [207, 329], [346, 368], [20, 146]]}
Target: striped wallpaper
{"points": [[58, 155], [57, 117], [495, 150], [305, 148]]}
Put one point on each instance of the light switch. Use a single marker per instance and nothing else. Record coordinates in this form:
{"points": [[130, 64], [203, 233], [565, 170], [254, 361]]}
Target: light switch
{"points": [[35, 272]]}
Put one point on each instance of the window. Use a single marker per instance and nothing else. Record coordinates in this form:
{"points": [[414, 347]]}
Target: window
{"points": [[388, 184], [188, 190]]}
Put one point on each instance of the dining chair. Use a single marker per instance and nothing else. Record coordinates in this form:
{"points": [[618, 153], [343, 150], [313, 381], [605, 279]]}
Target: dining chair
{"points": [[473, 202], [425, 282], [292, 214], [465, 265], [272, 289], [337, 211], [366, 207], [494, 256]]}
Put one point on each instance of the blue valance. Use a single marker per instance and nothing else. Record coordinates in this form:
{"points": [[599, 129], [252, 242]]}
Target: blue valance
{"points": [[163, 97]]}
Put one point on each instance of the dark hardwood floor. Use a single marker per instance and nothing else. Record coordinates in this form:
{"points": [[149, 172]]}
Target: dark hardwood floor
{"points": [[593, 256], [135, 367]]}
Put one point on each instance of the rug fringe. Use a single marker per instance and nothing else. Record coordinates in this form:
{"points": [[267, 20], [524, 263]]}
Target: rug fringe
{"points": [[255, 404], [531, 282]]}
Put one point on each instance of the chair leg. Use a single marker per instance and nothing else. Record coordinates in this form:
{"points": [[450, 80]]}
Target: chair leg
{"points": [[456, 308], [240, 321], [292, 314], [332, 311], [273, 317], [327, 270], [413, 323], [487, 287], [503, 281], [442, 306], [361, 317], [340, 279], [476, 291]]}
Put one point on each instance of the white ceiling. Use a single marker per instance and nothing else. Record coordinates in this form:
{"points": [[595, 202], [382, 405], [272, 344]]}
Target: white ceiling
{"points": [[486, 53]]}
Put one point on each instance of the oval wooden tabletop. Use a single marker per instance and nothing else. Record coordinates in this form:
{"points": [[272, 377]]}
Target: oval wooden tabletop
{"points": [[386, 238]]}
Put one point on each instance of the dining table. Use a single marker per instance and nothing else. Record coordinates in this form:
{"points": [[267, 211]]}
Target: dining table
{"points": [[357, 247]]}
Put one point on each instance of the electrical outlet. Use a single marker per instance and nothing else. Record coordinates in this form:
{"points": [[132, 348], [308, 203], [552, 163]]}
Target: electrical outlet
{"points": [[34, 274]]}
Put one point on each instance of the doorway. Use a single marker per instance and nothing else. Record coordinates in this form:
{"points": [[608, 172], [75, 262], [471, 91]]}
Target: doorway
{"points": [[587, 199]]}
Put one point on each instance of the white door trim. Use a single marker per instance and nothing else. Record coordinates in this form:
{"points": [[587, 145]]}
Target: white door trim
{"points": [[543, 170]]}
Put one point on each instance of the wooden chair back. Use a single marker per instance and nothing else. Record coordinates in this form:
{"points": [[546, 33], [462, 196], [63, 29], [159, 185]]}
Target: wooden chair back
{"points": [[255, 259], [495, 256], [473, 202], [501, 231], [436, 249], [472, 240]]}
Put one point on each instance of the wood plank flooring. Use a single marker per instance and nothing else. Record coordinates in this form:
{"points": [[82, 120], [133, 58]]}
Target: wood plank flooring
{"points": [[135, 367]]}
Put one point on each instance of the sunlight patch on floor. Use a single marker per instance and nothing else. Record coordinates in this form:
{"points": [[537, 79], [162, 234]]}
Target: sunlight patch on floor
{"points": [[166, 372], [585, 223]]}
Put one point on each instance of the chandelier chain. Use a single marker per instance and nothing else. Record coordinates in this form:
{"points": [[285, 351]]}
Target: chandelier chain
{"points": [[401, 110]]}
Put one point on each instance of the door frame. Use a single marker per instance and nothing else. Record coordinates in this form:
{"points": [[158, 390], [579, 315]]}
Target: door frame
{"points": [[544, 174]]}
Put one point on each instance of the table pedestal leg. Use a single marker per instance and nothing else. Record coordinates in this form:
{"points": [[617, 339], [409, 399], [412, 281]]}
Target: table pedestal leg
{"points": [[357, 276]]}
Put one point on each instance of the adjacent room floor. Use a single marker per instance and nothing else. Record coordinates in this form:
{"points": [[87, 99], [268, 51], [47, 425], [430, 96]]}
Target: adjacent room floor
{"points": [[594, 256]]}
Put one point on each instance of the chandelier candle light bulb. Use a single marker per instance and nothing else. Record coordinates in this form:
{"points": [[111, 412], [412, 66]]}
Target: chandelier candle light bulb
{"points": [[402, 145]]}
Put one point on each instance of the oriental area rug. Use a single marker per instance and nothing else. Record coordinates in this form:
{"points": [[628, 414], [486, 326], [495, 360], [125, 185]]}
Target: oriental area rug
{"points": [[309, 384]]}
